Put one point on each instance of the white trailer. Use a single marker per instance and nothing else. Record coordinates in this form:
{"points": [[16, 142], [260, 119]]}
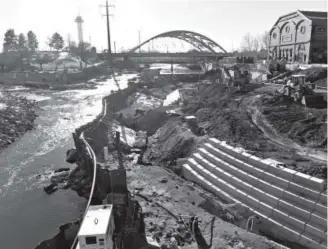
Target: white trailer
{"points": [[97, 228]]}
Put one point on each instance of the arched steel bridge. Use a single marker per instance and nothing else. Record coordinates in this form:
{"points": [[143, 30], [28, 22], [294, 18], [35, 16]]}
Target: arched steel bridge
{"points": [[198, 41], [205, 49]]}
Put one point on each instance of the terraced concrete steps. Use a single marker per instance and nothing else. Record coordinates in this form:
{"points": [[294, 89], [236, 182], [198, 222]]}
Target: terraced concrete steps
{"points": [[285, 173], [319, 198], [260, 188], [297, 208]]}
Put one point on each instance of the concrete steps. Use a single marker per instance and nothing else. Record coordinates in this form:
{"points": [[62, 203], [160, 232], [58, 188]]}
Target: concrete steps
{"points": [[294, 203]]}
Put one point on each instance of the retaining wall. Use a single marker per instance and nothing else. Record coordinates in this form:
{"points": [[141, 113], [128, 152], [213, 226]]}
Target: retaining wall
{"points": [[292, 205], [94, 131], [18, 78]]}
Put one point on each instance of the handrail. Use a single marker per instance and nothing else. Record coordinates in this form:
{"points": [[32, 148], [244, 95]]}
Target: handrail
{"points": [[93, 182]]}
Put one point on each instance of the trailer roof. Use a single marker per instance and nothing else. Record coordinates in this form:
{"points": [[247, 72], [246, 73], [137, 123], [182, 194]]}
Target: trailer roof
{"points": [[299, 75], [96, 220]]}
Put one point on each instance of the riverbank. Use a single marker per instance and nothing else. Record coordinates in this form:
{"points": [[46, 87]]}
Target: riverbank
{"points": [[29, 164], [174, 131], [17, 115], [156, 189]]}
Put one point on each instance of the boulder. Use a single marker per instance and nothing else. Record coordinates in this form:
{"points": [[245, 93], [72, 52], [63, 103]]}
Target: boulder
{"points": [[51, 188], [71, 156], [141, 140], [61, 170], [60, 177]]}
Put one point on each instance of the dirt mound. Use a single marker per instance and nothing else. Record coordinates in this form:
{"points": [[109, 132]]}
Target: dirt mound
{"points": [[226, 115], [221, 116], [151, 121], [172, 141], [307, 126]]}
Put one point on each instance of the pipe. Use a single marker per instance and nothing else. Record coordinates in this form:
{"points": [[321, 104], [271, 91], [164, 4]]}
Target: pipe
{"points": [[90, 150]]}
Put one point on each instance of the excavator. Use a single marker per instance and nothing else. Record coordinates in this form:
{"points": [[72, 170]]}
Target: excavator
{"points": [[239, 79], [303, 92]]}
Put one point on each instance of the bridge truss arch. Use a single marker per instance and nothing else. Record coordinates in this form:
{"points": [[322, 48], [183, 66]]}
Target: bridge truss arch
{"points": [[198, 41]]}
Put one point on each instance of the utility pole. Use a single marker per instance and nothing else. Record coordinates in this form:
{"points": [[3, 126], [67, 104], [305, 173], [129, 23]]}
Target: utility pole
{"points": [[69, 40], [115, 47], [107, 6], [139, 39]]}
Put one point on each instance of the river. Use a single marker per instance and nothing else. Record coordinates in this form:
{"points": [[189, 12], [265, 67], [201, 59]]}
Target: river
{"points": [[27, 214]]}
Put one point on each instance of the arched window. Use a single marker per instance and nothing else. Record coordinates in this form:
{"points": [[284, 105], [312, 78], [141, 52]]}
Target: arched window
{"points": [[287, 29]]}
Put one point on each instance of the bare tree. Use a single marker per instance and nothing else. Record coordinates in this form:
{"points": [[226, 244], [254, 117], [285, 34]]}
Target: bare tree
{"points": [[264, 40], [247, 42], [256, 44]]}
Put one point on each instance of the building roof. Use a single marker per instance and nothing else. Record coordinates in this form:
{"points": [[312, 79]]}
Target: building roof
{"points": [[314, 14], [96, 220]]}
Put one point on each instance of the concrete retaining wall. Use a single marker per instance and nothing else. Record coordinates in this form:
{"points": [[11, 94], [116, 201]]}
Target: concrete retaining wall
{"points": [[294, 204], [18, 78]]}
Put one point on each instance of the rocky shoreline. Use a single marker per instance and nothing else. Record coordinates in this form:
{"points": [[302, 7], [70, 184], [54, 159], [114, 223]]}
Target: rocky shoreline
{"points": [[17, 115]]}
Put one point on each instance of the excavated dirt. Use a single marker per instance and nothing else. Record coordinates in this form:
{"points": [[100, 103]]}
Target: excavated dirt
{"points": [[267, 125], [307, 126], [172, 141], [225, 114], [155, 185], [228, 115]]}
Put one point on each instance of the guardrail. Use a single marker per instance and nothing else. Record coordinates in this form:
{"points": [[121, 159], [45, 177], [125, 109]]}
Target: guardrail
{"points": [[91, 152]]}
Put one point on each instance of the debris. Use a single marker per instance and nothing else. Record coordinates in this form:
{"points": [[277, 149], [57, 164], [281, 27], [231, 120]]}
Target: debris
{"points": [[164, 180]]}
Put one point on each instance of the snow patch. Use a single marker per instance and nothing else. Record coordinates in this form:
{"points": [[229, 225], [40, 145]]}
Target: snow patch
{"points": [[3, 106], [171, 98]]}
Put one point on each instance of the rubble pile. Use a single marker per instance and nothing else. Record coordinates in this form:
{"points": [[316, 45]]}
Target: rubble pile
{"points": [[17, 116], [172, 141]]}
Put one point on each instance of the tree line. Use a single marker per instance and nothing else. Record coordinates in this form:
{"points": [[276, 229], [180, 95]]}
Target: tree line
{"points": [[255, 43], [13, 42], [28, 45]]}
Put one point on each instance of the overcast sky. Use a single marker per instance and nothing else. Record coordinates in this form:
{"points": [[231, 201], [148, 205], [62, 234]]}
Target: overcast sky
{"points": [[223, 21]]}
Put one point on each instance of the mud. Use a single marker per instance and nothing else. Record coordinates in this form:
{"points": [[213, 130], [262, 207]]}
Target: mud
{"points": [[155, 185]]}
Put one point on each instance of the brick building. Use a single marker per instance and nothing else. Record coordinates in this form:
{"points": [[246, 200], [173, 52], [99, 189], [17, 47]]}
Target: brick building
{"points": [[300, 36]]}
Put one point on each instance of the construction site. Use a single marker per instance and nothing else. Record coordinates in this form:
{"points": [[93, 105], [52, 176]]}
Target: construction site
{"points": [[207, 150], [231, 155], [214, 161]]}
